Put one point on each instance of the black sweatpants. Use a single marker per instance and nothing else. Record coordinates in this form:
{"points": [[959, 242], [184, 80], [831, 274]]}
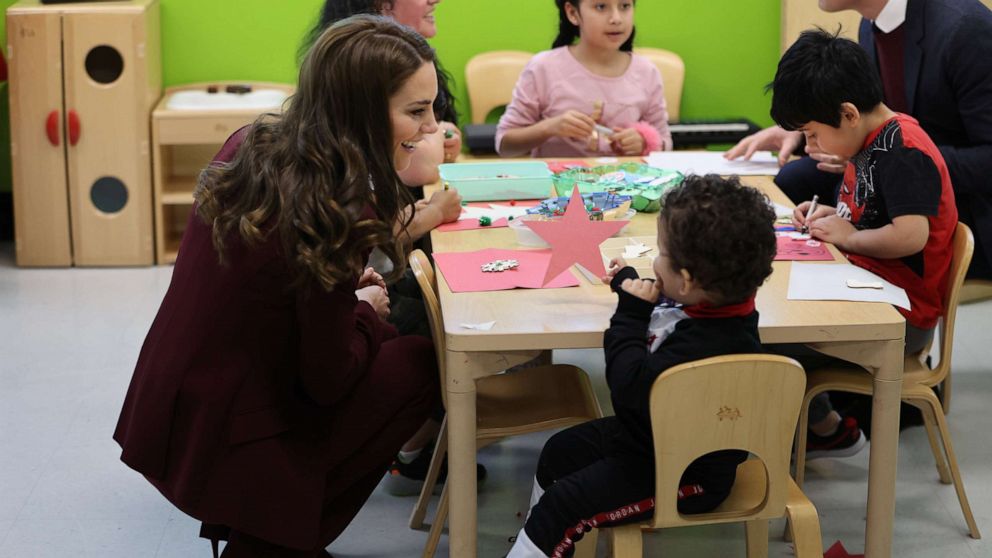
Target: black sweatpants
{"points": [[592, 479]]}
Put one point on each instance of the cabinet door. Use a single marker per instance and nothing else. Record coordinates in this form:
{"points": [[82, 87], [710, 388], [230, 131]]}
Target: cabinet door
{"points": [[41, 208], [109, 164]]}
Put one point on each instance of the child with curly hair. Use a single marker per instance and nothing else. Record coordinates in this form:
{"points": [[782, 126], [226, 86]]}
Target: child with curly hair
{"points": [[593, 473]]}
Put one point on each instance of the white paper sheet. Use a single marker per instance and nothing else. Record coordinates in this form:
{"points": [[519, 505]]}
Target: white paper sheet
{"points": [[811, 281], [706, 162]]}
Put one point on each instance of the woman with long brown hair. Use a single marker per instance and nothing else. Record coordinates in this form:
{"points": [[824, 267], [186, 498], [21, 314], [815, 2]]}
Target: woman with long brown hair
{"points": [[270, 395]]}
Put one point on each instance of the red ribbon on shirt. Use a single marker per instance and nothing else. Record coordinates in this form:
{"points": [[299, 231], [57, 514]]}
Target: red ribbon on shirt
{"points": [[705, 310]]}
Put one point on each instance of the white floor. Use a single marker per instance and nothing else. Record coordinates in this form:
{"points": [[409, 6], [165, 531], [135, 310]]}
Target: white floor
{"points": [[68, 342]]}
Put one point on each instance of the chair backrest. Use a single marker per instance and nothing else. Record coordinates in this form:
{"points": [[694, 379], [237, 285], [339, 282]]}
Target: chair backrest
{"points": [[672, 76], [423, 271], [747, 402], [963, 247], [490, 78]]}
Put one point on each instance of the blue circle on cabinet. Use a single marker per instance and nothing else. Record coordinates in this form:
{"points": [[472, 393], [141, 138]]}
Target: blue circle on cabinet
{"points": [[108, 194]]}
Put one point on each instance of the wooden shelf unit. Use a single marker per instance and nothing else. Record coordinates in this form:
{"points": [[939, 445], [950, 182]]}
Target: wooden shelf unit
{"points": [[183, 143]]}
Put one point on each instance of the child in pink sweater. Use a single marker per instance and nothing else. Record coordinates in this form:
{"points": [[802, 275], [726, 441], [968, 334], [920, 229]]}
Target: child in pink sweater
{"points": [[568, 98]]}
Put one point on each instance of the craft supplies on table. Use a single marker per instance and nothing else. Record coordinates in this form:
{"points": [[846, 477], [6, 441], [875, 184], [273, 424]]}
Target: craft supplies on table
{"points": [[526, 180], [500, 215], [601, 206], [463, 271], [644, 184]]}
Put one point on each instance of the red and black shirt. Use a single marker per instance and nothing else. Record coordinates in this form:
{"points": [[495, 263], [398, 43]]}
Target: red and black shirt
{"points": [[901, 172]]}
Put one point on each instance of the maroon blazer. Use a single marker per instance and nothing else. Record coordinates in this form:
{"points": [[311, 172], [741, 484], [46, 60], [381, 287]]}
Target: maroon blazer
{"points": [[228, 408]]}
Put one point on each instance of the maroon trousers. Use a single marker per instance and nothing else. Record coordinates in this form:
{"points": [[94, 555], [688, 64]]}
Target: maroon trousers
{"points": [[392, 401]]}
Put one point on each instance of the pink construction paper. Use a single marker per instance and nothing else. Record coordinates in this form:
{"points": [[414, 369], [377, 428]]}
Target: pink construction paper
{"points": [[472, 224], [463, 271], [793, 249], [574, 239]]}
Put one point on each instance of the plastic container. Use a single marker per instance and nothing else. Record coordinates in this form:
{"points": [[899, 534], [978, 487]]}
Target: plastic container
{"points": [[528, 180]]}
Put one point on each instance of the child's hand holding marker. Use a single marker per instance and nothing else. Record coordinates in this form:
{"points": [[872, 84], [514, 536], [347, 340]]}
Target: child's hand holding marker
{"points": [[809, 211], [572, 124]]}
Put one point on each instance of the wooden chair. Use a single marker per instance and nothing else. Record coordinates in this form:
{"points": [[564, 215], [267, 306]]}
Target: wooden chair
{"points": [[917, 387], [747, 402], [975, 290], [525, 401], [672, 76], [490, 78]]}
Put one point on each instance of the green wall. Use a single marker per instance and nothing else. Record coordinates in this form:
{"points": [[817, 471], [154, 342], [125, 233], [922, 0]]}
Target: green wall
{"points": [[730, 47]]}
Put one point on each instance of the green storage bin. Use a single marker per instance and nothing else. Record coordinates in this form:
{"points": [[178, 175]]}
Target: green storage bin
{"points": [[528, 180]]}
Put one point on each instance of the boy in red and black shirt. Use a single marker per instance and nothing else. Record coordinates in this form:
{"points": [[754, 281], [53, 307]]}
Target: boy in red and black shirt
{"points": [[895, 213]]}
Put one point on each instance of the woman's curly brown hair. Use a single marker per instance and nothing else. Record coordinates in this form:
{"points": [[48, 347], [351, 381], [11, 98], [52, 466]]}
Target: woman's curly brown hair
{"points": [[722, 233], [313, 171]]}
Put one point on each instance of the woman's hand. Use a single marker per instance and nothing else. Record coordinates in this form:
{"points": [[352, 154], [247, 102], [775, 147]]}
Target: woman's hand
{"points": [[826, 162], [572, 124], [377, 297], [448, 203], [644, 289], [627, 142], [770, 139], [452, 141], [370, 277], [616, 264]]}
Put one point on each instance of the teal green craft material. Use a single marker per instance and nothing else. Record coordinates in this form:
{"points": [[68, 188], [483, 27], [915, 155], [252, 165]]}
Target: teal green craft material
{"points": [[645, 185]]}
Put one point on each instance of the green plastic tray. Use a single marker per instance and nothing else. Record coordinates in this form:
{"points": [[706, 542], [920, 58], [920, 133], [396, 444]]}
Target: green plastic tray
{"points": [[528, 180]]}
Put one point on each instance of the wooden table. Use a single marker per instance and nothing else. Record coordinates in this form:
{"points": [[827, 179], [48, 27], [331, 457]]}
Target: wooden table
{"points": [[869, 334]]}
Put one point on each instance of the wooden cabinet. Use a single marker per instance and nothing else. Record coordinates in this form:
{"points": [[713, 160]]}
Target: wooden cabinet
{"points": [[184, 141], [83, 79]]}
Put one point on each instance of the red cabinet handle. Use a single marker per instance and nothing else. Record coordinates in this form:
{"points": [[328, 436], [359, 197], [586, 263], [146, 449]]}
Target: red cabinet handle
{"points": [[52, 128], [74, 128]]}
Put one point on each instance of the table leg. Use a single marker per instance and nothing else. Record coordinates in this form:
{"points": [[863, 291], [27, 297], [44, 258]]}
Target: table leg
{"points": [[887, 379], [462, 521], [884, 360]]}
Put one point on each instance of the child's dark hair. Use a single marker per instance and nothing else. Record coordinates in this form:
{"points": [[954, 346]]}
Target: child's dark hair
{"points": [[722, 233], [817, 74], [567, 32], [334, 11]]}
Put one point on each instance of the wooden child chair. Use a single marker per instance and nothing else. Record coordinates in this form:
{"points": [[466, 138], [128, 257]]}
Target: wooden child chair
{"points": [[917, 385], [490, 78], [522, 402], [672, 70], [746, 402]]}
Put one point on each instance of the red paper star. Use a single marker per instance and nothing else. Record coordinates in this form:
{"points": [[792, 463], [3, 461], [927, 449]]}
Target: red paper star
{"points": [[574, 239]]}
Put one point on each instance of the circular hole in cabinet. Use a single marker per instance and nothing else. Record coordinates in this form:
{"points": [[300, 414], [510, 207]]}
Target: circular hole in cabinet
{"points": [[104, 64], [109, 194]]}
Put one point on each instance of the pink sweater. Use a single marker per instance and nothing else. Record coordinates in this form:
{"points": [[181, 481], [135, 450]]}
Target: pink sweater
{"points": [[555, 82]]}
